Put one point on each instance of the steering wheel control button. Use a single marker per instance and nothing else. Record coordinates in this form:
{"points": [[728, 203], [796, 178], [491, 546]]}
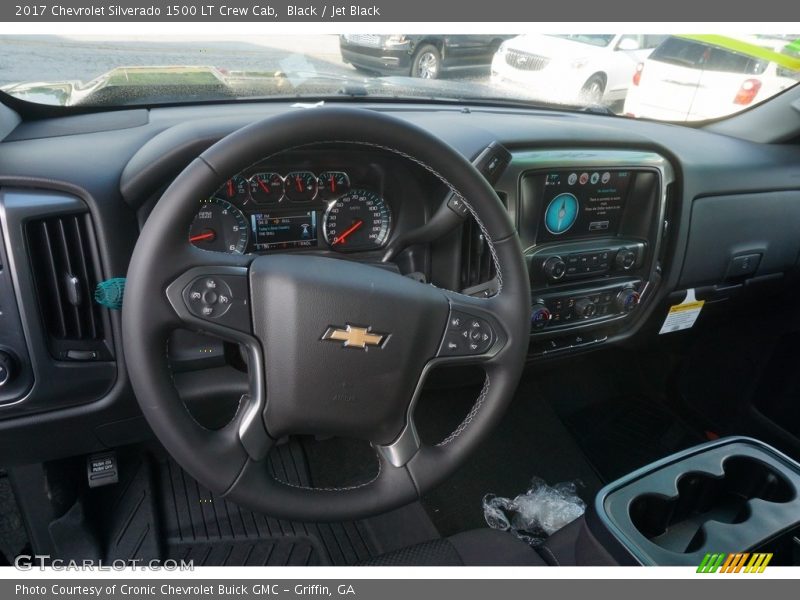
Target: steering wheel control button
{"points": [[204, 297], [458, 206], [466, 335], [453, 345], [221, 299]]}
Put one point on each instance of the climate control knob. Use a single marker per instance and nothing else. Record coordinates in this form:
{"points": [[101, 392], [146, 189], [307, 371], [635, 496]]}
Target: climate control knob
{"points": [[627, 300], [585, 308], [554, 268], [540, 316]]}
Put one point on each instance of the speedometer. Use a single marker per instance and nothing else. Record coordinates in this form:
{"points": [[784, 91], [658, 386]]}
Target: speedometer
{"points": [[358, 220]]}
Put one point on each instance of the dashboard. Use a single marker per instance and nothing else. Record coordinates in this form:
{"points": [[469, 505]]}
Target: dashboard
{"points": [[616, 219]]}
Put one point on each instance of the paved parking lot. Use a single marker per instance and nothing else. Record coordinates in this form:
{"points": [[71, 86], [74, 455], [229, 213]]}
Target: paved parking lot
{"points": [[59, 58]]}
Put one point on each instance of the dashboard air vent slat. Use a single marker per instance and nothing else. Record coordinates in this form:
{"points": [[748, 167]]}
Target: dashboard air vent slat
{"points": [[65, 270], [477, 266]]}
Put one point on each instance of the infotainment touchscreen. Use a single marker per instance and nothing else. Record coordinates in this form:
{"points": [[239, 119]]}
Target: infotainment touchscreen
{"points": [[582, 202]]}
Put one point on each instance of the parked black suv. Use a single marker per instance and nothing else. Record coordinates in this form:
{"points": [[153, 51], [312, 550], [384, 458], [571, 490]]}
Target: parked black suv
{"points": [[422, 56]]}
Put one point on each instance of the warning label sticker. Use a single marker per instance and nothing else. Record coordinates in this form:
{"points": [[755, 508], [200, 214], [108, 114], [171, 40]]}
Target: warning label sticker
{"points": [[683, 316]]}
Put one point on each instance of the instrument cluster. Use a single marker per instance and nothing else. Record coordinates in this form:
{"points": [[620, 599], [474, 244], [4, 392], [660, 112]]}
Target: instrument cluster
{"points": [[265, 210]]}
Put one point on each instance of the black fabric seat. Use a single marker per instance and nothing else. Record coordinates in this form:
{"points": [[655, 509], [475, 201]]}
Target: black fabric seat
{"points": [[479, 547]]}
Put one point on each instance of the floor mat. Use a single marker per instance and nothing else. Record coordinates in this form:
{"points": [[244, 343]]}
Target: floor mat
{"points": [[212, 531], [13, 538], [529, 442], [161, 511], [621, 434], [778, 393]]}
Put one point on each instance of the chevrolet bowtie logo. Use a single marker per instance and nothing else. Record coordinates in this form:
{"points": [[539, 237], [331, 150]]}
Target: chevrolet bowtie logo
{"points": [[354, 337]]}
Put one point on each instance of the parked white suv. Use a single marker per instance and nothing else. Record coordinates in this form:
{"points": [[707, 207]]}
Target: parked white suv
{"points": [[687, 79], [571, 69]]}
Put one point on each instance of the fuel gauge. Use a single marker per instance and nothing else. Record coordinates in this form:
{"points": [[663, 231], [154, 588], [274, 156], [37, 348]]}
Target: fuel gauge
{"points": [[235, 190], [300, 186], [333, 184]]}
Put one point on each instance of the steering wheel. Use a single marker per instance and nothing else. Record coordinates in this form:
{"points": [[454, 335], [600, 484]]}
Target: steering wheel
{"points": [[334, 347]]}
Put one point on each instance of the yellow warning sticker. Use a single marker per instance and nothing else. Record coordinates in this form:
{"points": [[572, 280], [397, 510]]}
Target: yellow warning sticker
{"points": [[684, 315]]}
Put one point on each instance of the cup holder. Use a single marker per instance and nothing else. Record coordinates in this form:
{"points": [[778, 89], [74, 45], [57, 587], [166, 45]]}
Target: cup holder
{"points": [[676, 523]]}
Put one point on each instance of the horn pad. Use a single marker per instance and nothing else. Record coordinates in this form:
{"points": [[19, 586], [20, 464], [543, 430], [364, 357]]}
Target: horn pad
{"points": [[344, 344]]}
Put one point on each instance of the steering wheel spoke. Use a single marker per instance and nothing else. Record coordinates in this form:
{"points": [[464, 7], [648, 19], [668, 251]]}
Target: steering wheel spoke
{"points": [[214, 298]]}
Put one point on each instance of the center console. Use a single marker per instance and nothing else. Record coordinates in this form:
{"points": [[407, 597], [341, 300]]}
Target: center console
{"points": [[727, 497], [592, 223]]}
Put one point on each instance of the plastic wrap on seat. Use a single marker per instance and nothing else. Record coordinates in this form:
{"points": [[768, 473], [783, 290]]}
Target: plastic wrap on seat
{"points": [[539, 512]]}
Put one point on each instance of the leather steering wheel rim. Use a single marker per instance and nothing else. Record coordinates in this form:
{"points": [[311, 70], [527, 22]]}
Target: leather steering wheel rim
{"points": [[230, 461]]}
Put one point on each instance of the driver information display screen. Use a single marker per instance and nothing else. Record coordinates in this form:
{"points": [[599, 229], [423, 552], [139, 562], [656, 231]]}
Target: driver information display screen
{"points": [[295, 230], [583, 202]]}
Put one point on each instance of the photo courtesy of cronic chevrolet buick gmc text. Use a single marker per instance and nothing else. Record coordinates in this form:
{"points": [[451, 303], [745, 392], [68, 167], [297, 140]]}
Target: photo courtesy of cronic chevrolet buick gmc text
{"points": [[259, 309]]}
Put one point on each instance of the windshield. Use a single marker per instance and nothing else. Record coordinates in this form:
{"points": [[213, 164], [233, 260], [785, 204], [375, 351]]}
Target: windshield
{"points": [[665, 77], [601, 40]]}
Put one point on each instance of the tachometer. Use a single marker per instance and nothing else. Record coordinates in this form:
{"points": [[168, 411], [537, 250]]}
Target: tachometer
{"points": [[358, 220], [219, 226]]}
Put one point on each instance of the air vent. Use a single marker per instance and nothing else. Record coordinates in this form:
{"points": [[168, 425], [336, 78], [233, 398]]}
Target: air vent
{"points": [[477, 267], [66, 269]]}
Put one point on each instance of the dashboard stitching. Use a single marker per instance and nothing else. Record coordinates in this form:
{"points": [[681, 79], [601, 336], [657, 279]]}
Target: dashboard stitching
{"points": [[470, 416]]}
